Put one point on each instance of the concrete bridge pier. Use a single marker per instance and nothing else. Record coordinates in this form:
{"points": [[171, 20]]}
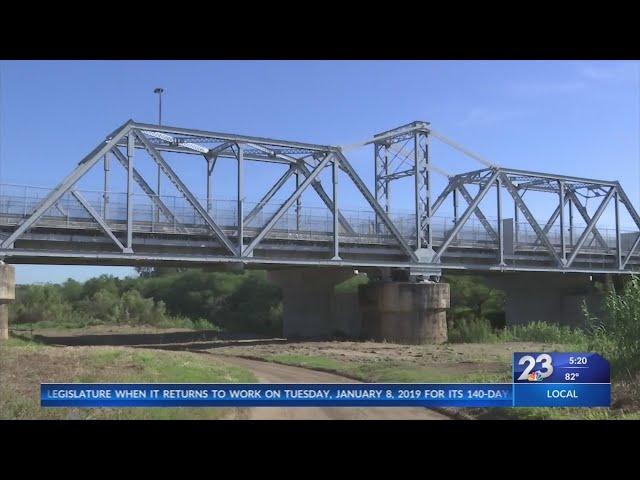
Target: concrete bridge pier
{"points": [[7, 294], [310, 306], [404, 312], [549, 297]]}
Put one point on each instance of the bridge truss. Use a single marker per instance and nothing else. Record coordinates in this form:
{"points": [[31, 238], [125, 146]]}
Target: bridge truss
{"points": [[67, 226]]}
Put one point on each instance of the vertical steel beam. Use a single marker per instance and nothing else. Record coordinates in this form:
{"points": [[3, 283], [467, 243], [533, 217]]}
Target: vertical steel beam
{"points": [[500, 229], [416, 178], [427, 182], [570, 223], [131, 146], [455, 206], [158, 193], [563, 246], [387, 183], [516, 220], [105, 192], [240, 199], [336, 222], [618, 236], [298, 203], [376, 179], [209, 186]]}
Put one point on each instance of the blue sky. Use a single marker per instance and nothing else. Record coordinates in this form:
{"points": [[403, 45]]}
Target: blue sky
{"points": [[577, 118]]}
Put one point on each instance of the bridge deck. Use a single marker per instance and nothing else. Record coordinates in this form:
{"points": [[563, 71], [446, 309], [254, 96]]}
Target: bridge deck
{"points": [[68, 233]]}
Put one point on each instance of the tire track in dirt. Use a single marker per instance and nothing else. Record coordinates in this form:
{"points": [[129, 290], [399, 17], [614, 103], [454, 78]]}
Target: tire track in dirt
{"points": [[267, 372]]}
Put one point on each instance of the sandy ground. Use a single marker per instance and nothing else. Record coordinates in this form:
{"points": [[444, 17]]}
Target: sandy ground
{"points": [[275, 373]]}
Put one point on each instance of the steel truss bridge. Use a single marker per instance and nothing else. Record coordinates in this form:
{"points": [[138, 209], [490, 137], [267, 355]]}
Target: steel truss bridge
{"points": [[68, 225]]}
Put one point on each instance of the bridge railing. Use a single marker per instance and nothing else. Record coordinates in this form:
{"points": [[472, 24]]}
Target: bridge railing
{"points": [[19, 201]]}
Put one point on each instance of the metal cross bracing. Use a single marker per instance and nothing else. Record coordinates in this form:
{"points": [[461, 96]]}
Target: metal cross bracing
{"points": [[69, 224]]}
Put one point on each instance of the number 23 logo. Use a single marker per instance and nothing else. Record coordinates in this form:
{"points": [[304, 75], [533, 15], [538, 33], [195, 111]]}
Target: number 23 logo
{"points": [[544, 359]]}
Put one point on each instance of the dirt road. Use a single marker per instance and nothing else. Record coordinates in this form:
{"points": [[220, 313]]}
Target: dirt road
{"points": [[267, 372]]}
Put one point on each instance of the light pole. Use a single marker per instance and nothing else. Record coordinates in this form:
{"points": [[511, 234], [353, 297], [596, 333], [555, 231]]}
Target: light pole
{"points": [[159, 91]]}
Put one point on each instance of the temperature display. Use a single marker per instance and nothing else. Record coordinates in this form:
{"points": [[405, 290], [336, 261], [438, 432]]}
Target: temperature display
{"points": [[559, 367]]}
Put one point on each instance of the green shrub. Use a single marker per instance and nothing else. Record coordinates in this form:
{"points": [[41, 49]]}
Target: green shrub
{"points": [[616, 335], [545, 333], [188, 299], [472, 331]]}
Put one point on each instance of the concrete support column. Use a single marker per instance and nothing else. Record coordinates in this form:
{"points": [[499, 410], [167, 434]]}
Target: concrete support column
{"points": [[405, 312], [310, 306], [7, 294], [547, 297]]}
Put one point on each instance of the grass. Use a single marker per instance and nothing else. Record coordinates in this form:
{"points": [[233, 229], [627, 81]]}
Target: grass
{"points": [[625, 395], [173, 322], [386, 371], [480, 331], [27, 364]]}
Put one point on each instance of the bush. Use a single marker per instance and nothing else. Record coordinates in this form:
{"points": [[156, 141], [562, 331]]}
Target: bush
{"points": [[616, 335], [476, 330], [545, 333], [190, 299], [481, 331]]}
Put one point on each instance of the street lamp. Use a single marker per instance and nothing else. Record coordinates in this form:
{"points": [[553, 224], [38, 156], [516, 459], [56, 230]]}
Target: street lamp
{"points": [[159, 92]]}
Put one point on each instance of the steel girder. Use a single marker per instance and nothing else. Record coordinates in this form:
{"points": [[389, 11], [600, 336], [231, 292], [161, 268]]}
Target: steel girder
{"points": [[83, 167], [464, 218], [154, 139], [399, 153], [302, 169], [182, 188], [565, 187], [414, 152], [285, 206]]}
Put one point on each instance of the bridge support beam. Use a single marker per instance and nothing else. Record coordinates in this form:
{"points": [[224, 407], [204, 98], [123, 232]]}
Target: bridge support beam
{"points": [[311, 309], [7, 294], [549, 297], [404, 312]]}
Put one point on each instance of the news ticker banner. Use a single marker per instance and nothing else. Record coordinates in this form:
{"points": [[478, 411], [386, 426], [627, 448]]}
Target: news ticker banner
{"points": [[539, 380]]}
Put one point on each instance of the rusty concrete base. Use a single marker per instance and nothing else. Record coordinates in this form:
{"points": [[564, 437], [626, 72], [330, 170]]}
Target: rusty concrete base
{"points": [[405, 312], [7, 294]]}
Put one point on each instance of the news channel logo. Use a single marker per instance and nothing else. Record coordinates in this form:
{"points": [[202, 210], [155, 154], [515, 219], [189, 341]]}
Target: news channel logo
{"points": [[560, 367], [529, 361]]}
